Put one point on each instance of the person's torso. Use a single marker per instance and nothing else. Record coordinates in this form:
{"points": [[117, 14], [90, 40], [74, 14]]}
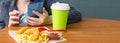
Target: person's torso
{"points": [[10, 5]]}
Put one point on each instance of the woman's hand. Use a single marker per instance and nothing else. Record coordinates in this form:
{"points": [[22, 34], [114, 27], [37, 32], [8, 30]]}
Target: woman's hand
{"points": [[42, 20], [15, 17]]}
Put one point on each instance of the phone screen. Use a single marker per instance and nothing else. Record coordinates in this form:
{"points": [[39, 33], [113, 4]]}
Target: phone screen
{"points": [[37, 6]]}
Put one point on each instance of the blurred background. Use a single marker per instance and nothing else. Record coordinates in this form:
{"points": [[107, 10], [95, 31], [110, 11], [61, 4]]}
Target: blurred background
{"points": [[106, 9]]}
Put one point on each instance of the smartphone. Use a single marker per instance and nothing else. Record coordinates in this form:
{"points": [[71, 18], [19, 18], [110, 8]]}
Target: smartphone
{"points": [[37, 6]]}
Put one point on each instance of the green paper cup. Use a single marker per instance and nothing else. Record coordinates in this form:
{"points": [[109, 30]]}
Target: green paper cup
{"points": [[60, 13]]}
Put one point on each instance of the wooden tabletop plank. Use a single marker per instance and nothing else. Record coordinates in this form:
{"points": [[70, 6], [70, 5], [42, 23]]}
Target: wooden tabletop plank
{"points": [[89, 30]]}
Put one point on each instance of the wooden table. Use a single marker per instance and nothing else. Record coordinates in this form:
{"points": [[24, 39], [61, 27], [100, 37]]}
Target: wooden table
{"points": [[88, 31]]}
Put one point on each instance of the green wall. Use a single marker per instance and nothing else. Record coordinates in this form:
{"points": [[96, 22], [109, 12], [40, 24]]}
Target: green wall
{"points": [[107, 9]]}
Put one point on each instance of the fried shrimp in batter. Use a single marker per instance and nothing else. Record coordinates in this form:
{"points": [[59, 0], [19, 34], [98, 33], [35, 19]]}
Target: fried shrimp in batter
{"points": [[34, 34], [22, 30]]}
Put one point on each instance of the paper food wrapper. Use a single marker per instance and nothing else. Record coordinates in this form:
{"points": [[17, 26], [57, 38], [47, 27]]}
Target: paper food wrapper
{"points": [[13, 34]]}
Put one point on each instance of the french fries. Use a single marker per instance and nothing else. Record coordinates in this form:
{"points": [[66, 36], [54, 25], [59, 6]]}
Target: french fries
{"points": [[35, 35], [43, 37], [32, 35]]}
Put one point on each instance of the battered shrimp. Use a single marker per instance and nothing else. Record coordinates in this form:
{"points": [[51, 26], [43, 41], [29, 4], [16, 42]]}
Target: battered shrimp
{"points": [[22, 30], [34, 33]]}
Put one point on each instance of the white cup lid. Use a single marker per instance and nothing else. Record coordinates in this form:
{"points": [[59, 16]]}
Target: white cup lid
{"points": [[60, 6]]}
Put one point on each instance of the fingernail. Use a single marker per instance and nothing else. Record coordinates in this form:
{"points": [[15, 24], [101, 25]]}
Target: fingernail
{"points": [[18, 17], [43, 8], [27, 17], [21, 13], [33, 11]]}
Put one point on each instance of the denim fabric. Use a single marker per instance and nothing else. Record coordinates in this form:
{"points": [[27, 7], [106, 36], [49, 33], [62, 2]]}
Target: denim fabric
{"points": [[2, 24], [9, 5]]}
